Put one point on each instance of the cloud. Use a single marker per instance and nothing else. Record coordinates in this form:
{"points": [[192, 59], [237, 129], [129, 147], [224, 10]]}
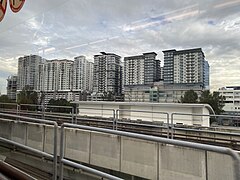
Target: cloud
{"points": [[64, 29]]}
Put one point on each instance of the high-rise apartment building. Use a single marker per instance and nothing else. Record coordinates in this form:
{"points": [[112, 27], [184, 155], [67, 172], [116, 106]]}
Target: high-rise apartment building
{"points": [[168, 68], [12, 87], [141, 69], [185, 66], [82, 74], [28, 70], [55, 75], [107, 73], [231, 98], [206, 75]]}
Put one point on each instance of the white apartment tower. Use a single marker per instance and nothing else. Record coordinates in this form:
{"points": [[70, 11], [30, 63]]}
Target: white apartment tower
{"points": [[28, 71], [185, 66], [107, 73], [141, 69], [55, 75], [82, 74]]}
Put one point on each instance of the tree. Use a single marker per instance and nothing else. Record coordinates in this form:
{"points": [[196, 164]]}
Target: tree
{"points": [[5, 99], [214, 100], [189, 97], [60, 102], [27, 96]]}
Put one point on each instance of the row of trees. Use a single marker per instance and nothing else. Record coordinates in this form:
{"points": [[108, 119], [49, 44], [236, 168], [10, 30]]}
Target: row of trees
{"points": [[28, 96], [213, 99]]}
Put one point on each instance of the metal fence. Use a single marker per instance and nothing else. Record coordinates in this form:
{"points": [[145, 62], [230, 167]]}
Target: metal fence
{"points": [[54, 156], [204, 147]]}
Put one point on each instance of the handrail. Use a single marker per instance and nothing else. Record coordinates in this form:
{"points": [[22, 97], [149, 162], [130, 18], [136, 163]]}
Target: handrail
{"points": [[70, 163], [200, 115], [205, 147], [107, 109], [55, 135], [154, 112]]}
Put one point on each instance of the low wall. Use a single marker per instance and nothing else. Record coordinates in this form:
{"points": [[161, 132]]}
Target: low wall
{"points": [[137, 157]]}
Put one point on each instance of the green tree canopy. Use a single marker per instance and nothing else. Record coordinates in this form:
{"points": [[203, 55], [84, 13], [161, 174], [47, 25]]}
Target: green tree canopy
{"points": [[59, 102], [189, 97], [214, 100], [5, 99], [27, 96]]}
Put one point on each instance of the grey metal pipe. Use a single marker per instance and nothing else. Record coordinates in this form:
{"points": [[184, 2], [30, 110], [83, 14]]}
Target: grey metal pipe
{"points": [[90, 170], [55, 136], [205, 147], [27, 148]]}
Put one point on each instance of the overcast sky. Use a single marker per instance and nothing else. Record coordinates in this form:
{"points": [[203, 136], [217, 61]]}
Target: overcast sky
{"points": [[68, 28]]}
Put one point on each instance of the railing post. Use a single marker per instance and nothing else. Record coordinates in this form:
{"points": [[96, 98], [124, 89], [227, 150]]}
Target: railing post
{"points": [[72, 115], [43, 111], [114, 119], [172, 125], [168, 125], [61, 153]]}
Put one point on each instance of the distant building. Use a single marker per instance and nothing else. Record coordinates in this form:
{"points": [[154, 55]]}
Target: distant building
{"points": [[185, 66], [82, 74], [12, 87], [141, 69], [160, 92], [28, 71], [55, 75], [206, 75], [107, 74], [232, 98]]}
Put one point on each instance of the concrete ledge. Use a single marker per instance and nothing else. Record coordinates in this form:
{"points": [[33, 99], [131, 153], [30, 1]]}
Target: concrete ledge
{"points": [[105, 150], [181, 163], [77, 145], [139, 157], [19, 132], [219, 166], [35, 136], [49, 139], [5, 129]]}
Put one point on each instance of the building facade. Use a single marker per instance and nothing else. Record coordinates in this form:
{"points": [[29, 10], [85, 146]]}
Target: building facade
{"points": [[82, 74], [141, 69], [232, 98], [107, 74], [12, 87], [160, 92], [206, 75], [28, 71], [185, 66]]}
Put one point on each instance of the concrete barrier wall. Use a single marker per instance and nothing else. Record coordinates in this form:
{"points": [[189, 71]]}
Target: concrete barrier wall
{"points": [[105, 151], [148, 116], [19, 132], [77, 145], [181, 163], [5, 129], [219, 166], [137, 157], [35, 136]]}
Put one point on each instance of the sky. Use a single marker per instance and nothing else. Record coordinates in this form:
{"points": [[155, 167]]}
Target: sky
{"points": [[59, 29]]}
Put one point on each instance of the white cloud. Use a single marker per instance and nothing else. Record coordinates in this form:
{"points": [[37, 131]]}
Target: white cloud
{"points": [[65, 29]]}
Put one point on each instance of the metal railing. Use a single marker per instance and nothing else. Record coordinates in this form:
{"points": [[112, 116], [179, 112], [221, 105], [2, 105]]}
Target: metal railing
{"points": [[199, 115], [45, 122], [153, 112], [65, 161], [106, 109], [204, 147]]}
